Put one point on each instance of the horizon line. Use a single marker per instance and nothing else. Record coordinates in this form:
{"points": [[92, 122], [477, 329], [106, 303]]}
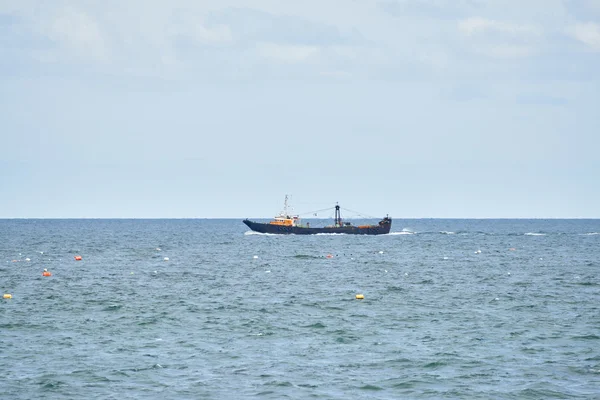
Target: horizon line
{"points": [[241, 218]]}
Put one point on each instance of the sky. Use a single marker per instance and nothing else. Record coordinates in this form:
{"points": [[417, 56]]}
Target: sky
{"points": [[219, 108]]}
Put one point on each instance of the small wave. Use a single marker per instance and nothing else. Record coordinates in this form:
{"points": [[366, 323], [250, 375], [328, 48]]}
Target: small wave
{"points": [[278, 383], [395, 289], [587, 283], [590, 233], [587, 337], [259, 233], [113, 307], [447, 233], [305, 256], [52, 384], [534, 234], [318, 325], [434, 365], [402, 233], [330, 234], [371, 387]]}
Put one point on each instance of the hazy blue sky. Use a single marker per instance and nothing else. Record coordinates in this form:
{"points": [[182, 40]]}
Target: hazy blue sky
{"points": [[189, 108]]}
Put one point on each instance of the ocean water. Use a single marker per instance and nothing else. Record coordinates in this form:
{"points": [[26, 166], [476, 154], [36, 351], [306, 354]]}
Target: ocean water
{"points": [[456, 309]]}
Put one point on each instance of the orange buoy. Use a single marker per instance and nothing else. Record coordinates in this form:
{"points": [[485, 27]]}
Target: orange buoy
{"points": [[46, 273], [77, 258], [329, 256]]}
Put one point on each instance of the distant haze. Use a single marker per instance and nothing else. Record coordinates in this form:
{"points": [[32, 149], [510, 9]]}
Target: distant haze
{"points": [[417, 109]]}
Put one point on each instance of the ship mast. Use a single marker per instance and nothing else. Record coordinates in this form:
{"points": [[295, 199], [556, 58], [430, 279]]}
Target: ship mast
{"points": [[285, 206], [338, 216]]}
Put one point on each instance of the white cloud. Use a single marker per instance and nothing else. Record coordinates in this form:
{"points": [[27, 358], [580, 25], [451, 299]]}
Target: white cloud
{"points": [[220, 38], [501, 39], [193, 26], [507, 51], [475, 25], [290, 54], [587, 33], [77, 31], [217, 35]]}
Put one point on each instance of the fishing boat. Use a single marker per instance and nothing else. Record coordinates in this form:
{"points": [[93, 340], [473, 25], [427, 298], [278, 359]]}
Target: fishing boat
{"points": [[286, 223]]}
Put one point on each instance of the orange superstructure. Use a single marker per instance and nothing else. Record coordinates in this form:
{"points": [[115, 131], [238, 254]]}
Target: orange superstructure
{"points": [[283, 222], [284, 219]]}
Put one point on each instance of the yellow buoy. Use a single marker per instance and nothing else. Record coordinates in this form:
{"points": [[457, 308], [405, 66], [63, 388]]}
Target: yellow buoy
{"points": [[360, 296], [7, 296]]}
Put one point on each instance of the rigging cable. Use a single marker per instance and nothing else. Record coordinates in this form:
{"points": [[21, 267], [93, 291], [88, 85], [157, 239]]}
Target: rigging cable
{"points": [[317, 211], [360, 214]]}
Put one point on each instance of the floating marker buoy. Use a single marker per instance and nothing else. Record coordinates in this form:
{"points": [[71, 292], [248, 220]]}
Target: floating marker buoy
{"points": [[512, 249], [381, 252], [329, 256], [46, 273], [7, 296], [360, 296], [478, 252], [166, 258], [255, 257], [77, 258], [27, 259]]}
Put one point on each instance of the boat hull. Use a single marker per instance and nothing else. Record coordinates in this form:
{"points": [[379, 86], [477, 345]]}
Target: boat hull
{"points": [[381, 229]]}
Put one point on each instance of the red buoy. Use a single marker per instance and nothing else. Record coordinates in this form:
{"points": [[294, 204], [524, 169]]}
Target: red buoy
{"points": [[77, 258], [46, 273]]}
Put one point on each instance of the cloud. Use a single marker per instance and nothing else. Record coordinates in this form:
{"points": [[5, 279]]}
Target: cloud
{"points": [[437, 9], [507, 51], [287, 53], [192, 26], [217, 39], [174, 42], [588, 33], [500, 39], [76, 30], [476, 25], [254, 26]]}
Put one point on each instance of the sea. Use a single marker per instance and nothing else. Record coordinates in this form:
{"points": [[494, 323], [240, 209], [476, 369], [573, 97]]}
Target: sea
{"points": [[206, 309]]}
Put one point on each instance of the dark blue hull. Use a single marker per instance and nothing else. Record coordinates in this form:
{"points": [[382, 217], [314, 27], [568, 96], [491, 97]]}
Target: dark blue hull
{"points": [[384, 227]]}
